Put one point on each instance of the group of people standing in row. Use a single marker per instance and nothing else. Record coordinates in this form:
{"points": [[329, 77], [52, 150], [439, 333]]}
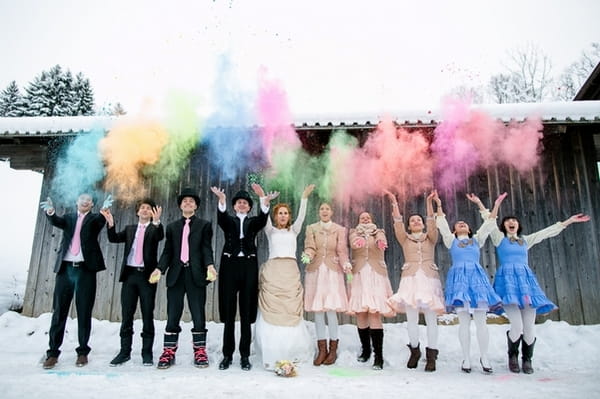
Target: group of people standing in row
{"points": [[273, 297]]}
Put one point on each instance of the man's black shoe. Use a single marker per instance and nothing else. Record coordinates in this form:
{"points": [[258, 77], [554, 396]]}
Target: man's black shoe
{"points": [[225, 363], [246, 365]]}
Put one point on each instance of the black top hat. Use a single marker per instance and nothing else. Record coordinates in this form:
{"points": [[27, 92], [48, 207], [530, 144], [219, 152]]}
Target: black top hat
{"points": [[242, 194], [188, 192]]}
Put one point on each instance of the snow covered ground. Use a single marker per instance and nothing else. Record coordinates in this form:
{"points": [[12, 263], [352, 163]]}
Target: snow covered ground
{"points": [[565, 362]]}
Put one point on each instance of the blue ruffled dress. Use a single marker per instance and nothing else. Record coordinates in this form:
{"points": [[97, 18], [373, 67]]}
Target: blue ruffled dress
{"points": [[515, 282], [467, 284]]}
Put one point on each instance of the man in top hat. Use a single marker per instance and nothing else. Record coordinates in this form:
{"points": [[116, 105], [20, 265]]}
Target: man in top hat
{"points": [[188, 257], [239, 269], [139, 261], [79, 259]]}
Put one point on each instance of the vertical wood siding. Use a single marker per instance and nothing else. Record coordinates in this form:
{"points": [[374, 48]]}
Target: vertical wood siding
{"points": [[567, 266]]}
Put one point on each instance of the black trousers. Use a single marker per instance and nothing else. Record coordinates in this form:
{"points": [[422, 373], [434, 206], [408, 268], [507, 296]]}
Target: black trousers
{"points": [[196, 297], [136, 286], [81, 283], [238, 280]]}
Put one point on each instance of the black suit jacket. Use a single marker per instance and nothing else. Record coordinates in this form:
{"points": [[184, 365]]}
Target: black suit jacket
{"points": [[231, 228], [152, 237], [90, 228], [201, 253]]}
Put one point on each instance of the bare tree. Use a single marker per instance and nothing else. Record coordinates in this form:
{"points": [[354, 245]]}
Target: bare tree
{"points": [[527, 78], [575, 75]]}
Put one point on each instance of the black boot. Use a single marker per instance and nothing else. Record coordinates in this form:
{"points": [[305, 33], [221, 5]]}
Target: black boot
{"points": [[147, 344], [125, 352], [513, 354], [167, 359], [431, 356], [527, 355], [200, 356], [415, 355], [364, 334], [377, 339]]}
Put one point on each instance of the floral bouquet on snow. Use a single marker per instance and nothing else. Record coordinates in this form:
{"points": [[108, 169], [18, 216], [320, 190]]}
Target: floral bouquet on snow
{"points": [[285, 368]]}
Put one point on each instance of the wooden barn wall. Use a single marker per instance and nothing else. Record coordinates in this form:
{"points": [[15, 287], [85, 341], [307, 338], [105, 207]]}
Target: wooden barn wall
{"points": [[565, 183]]}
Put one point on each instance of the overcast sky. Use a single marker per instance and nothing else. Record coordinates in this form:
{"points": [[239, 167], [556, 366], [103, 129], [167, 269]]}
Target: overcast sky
{"points": [[330, 55]]}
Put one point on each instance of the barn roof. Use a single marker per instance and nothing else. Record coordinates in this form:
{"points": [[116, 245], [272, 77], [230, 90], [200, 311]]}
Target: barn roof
{"points": [[576, 112]]}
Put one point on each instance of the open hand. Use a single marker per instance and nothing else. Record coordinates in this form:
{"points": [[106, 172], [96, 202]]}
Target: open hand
{"points": [[47, 206]]}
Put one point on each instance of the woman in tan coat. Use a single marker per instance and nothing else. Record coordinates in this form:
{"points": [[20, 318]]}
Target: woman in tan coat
{"points": [[326, 258], [420, 287], [370, 287]]}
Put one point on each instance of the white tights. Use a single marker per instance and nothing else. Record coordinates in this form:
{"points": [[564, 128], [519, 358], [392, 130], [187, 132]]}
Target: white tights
{"points": [[464, 335], [522, 322], [332, 322], [412, 325]]}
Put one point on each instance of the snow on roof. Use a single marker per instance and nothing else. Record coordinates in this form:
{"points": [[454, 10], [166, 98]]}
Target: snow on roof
{"points": [[550, 112]]}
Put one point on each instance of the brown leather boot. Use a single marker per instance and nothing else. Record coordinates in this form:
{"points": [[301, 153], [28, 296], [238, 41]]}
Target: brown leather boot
{"points": [[415, 355], [431, 356], [322, 346], [332, 355]]}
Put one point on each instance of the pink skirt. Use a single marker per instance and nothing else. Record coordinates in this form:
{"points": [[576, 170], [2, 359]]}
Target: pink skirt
{"points": [[369, 292], [324, 290], [420, 292]]}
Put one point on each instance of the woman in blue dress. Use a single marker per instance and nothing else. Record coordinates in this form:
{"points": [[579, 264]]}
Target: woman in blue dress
{"points": [[468, 289], [515, 282]]}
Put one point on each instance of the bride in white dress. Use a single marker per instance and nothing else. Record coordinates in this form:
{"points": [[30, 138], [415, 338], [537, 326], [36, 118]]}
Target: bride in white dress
{"points": [[281, 332]]}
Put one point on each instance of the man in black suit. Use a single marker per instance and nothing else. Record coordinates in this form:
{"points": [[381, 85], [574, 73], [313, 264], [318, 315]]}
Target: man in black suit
{"points": [[188, 257], [239, 269], [78, 261], [139, 261]]}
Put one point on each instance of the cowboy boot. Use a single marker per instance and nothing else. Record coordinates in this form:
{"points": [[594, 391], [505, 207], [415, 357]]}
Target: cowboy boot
{"points": [[125, 352], [147, 344], [167, 359], [200, 356], [377, 339], [415, 355], [526, 356], [364, 334], [513, 354], [431, 356], [332, 355]]}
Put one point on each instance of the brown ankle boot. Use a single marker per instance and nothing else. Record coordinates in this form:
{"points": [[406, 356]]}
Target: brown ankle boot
{"points": [[322, 346], [415, 355], [431, 356], [332, 355]]}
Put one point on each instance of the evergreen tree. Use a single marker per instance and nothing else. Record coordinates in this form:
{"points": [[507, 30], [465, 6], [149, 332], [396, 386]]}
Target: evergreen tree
{"points": [[11, 101], [83, 96], [56, 93]]}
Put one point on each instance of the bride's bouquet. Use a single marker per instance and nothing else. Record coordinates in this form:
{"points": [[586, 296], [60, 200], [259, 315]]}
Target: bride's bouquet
{"points": [[285, 368]]}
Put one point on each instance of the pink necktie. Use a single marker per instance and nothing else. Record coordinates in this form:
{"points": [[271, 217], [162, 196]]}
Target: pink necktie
{"points": [[76, 241], [185, 245], [139, 245]]}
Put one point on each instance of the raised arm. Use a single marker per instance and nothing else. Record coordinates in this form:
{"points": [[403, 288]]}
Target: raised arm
{"points": [[432, 231], [554, 230], [297, 226]]}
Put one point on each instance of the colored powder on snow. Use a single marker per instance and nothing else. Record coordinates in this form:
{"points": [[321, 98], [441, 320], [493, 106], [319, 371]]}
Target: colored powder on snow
{"points": [[79, 169], [126, 150]]}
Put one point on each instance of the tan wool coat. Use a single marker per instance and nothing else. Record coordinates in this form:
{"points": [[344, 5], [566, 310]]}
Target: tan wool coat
{"points": [[370, 253], [326, 245], [418, 253]]}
